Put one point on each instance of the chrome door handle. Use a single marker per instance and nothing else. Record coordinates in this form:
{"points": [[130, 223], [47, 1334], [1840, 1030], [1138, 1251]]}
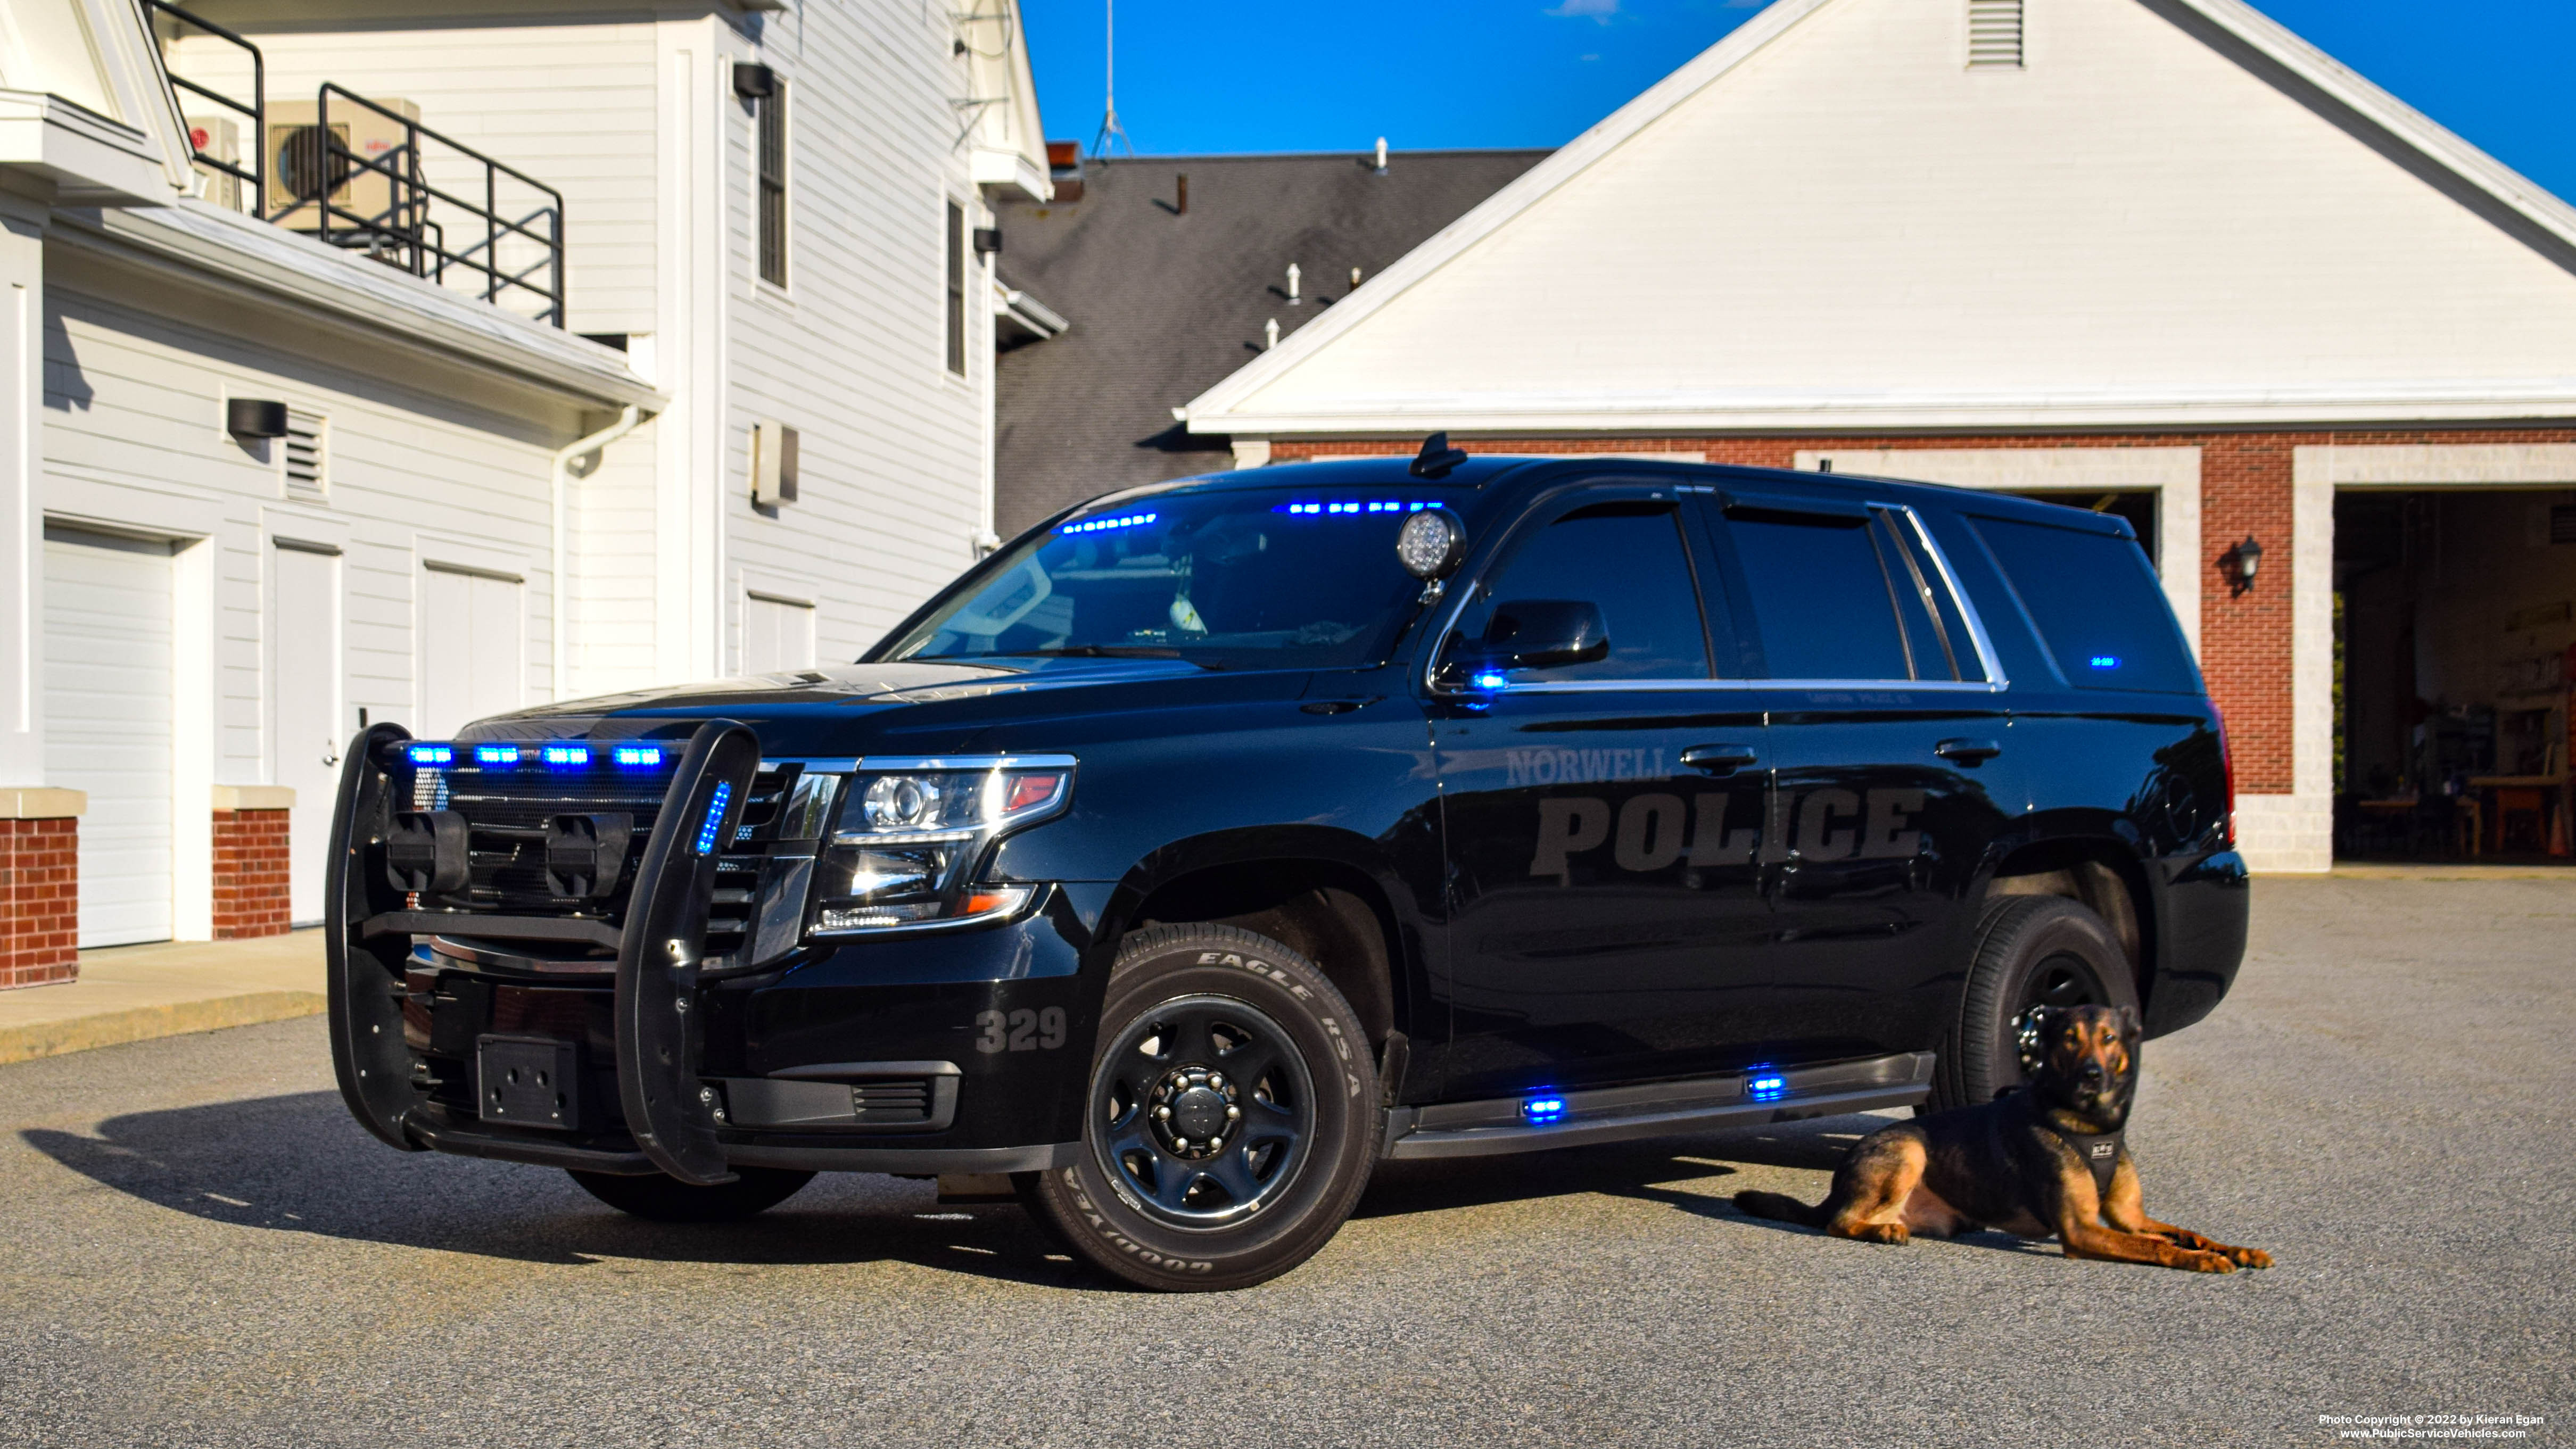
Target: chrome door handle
{"points": [[1719, 759], [1968, 752]]}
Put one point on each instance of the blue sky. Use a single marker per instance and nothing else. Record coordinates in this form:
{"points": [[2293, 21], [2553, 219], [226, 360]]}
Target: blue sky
{"points": [[1266, 75]]}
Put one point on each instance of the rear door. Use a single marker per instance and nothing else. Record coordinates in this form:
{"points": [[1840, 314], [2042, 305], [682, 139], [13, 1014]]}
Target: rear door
{"points": [[1606, 920], [1892, 752]]}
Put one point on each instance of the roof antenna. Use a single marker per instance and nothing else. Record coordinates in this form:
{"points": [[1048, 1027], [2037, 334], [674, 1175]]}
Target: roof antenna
{"points": [[1111, 133], [1437, 457], [1381, 155]]}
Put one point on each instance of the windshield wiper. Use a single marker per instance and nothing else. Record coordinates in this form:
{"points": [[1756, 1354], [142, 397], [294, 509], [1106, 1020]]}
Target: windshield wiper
{"points": [[1099, 651]]}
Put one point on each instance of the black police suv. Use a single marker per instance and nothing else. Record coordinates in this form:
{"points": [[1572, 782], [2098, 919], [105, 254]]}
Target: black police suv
{"points": [[1217, 840]]}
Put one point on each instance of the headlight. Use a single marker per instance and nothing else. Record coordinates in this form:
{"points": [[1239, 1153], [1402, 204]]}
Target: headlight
{"points": [[913, 831]]}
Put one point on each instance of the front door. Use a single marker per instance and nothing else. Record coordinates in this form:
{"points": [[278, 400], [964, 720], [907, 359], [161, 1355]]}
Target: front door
{"points": [[1602, 818], [1890, 750], [308, 732]]}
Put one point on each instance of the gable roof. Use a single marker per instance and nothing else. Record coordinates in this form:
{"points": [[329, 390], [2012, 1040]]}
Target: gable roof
{"points": [[1163, 304], [1918, 286]]}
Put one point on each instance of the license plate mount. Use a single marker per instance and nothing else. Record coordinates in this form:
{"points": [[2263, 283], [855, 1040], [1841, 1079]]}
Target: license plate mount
{"points": [[528, 1081]]}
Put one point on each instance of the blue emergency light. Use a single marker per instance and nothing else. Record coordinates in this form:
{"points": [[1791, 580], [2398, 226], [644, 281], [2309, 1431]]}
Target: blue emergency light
{"points": [[715, 816], [1102, 525], [1542, 1110], [430, 755], [2105, 661], [565, 756], [638, 757], [1489, 679], [1350, 505], [496, 754], [1768, 1087]]}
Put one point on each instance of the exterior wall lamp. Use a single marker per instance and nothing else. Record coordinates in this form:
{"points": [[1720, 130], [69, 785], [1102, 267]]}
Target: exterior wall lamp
{"points": [[2243, 560]]}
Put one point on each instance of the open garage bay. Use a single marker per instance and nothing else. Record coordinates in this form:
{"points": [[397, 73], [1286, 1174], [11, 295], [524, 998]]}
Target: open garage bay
{"points": [[203, 1248]]}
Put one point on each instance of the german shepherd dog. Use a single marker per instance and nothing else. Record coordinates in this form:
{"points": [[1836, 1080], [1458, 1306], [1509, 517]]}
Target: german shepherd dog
{"points": [[2046, 1159]]}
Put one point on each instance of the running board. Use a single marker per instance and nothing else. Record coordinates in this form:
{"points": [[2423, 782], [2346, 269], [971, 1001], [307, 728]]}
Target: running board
{"points": [[1658, 1109]]}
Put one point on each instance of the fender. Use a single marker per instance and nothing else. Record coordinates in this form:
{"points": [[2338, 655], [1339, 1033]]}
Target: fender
{"points": [[659, 1038], [364, 980]]}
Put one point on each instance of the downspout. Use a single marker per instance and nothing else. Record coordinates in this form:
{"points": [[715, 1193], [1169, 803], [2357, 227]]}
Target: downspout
{"points": [[625, 424]]}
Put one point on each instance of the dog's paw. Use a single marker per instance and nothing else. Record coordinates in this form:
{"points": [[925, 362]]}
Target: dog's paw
{"points": [[2200, 1262], [2251, 1257]]}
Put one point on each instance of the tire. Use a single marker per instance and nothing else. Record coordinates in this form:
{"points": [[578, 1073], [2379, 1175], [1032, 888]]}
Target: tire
{"points": [[669, 1200], [2030, 951], [1231, 1119]]}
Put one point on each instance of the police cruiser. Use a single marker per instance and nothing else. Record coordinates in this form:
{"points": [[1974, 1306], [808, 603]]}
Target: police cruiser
{"points": [[1216, 840]]}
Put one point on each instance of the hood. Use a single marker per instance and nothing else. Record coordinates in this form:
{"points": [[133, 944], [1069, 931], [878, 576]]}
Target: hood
{"points": [[840, 709]]}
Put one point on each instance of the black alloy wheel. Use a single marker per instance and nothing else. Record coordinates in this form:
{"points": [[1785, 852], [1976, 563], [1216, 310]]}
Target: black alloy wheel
{"points": [[2030, 952], [1204, 1111], [1232, 1118]]}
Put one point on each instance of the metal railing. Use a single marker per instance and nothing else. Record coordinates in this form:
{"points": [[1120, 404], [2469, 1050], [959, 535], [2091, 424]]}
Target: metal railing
{"points": [[256, 111], [384, 202]]}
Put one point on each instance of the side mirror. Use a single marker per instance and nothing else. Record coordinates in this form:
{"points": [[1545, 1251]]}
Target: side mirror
{"points": [[1540, 633]]}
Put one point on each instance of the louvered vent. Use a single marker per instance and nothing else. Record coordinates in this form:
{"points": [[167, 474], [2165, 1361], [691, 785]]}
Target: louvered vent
{"points": [[1994, 34], [307, 454], [900, 1102]]}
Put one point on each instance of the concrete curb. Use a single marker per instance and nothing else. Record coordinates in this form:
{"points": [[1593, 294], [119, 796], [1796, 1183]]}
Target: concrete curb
{"points": [[146, 1023]]}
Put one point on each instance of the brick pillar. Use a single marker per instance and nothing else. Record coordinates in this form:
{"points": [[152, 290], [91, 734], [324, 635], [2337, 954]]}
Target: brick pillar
{"points": [[250, 873], [2245, 638], [39, 895]]}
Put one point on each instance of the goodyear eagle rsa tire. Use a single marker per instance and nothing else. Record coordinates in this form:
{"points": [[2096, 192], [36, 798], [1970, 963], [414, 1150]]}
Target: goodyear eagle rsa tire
{"points": [[1231, 1121], [668, 1200], [2031, 951]]}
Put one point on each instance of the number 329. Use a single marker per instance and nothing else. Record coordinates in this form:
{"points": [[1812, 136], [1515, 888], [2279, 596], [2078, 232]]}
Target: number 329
{"points": [[1021, 1031]]}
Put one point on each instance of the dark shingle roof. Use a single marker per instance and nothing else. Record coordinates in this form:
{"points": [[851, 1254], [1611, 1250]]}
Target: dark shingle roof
{"points": [[1165, 306]]}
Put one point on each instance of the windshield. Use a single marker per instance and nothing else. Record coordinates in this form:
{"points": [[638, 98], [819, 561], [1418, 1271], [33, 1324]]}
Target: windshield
{"points": [[1249, 579]]}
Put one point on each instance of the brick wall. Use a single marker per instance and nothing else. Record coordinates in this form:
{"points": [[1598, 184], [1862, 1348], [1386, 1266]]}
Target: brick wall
{"points": [[250, 873], [2245, 489], [39, 902]]}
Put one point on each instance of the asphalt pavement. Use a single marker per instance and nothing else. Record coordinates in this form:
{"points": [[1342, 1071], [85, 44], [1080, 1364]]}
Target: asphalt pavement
{"points": [[197, 1246]]}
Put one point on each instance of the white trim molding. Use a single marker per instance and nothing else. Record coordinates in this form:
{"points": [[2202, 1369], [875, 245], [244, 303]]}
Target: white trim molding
{"points": [[2172, 474]]}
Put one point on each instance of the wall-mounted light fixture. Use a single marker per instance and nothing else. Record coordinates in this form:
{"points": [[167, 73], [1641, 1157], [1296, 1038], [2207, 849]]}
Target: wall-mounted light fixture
{"points": [[2242, 561], [773, 463], [988, 241], [246, 417], [754, 82]]}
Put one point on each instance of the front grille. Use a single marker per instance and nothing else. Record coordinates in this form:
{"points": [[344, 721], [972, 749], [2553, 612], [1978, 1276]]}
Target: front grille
{"points": [[506, 811], [894, 1102]]}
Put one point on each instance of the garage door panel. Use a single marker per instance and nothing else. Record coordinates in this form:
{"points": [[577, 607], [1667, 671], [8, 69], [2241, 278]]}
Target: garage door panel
{"points": [[473, 659], [108, 723]]}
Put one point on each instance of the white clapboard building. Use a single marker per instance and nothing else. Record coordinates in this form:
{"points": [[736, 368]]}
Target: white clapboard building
{"points": [[405, 360]]}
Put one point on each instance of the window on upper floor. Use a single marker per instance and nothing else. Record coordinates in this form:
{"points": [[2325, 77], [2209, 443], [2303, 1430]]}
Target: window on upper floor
{"points": [[956, 289], [769, 117]]}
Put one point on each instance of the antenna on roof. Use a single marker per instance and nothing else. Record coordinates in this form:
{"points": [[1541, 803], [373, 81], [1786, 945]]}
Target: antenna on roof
{"points": [[1437, 457], [1111, 133]]}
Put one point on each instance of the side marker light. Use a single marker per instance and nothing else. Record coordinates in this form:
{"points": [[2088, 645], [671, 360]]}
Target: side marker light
{"points": [[1767, 1088], [1541, 1110]]}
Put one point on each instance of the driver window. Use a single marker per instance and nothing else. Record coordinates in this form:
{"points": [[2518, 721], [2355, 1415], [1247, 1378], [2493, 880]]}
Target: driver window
{"points": [[1629, 559]]}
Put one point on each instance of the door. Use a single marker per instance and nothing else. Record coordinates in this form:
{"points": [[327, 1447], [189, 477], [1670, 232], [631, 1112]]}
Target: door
{"points": [[472, 638], [108, 723], [1606, 921], [307, 731], [777, 634], [1889, 747]]}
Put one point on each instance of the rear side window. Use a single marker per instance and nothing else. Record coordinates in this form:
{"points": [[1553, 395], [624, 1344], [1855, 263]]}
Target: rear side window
{"points": [[1846, 593], [1629, 559], [2101, 614]]}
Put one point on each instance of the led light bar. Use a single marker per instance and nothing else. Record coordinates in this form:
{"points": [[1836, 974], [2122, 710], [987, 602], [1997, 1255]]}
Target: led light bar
{"points": [[1351, 505], [1767, 1087], [1102, 525], [2105, 661], [496, 754], [1539, 1110], [715, 816], [638, 757], [430, 755], [565, 756]]}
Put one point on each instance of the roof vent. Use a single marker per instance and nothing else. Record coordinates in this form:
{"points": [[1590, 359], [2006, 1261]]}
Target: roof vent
{"points": [[1994, 34], [1381, 144]]}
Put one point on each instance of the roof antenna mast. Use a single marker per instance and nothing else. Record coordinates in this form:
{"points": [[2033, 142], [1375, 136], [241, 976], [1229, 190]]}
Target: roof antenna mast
{"points": [[1111, 133]]}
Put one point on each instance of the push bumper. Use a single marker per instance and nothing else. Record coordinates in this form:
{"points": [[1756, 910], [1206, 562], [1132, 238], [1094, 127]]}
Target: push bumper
{"points": [[962, 1052]]}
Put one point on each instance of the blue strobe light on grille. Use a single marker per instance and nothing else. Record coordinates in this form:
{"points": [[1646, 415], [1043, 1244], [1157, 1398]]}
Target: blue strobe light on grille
{"points": [[1767, 1087], [496, 754], [430, 755], [2105, 661], [1542, 1110], [715, 816], [565, 756], [638, 757]]}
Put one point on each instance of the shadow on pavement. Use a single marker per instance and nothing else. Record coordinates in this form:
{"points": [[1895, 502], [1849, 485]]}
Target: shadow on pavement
{"points": [[298, 1164]]}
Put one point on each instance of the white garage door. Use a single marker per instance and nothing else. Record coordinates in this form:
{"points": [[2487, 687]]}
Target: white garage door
{"points": [[470, 648], [107, 723], [777, 634]]}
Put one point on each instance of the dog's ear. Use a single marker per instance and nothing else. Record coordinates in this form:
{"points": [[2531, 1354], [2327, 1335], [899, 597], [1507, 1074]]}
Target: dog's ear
{"points": [[2130, 1027]]}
